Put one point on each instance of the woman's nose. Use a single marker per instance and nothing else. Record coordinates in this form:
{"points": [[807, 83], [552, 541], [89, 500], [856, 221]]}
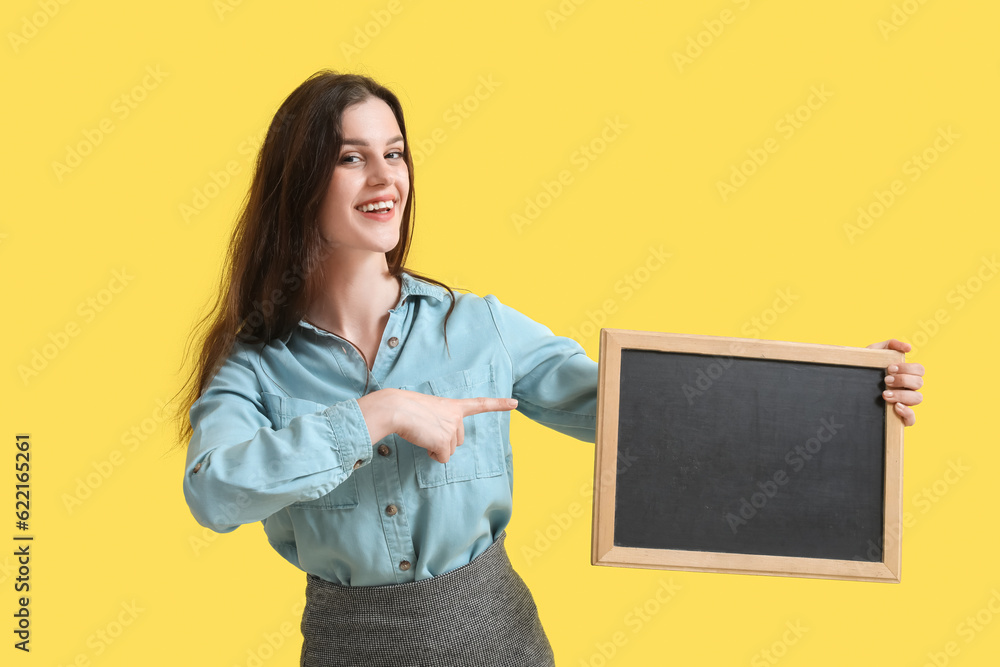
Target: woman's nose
{"points": [[380, 172]]}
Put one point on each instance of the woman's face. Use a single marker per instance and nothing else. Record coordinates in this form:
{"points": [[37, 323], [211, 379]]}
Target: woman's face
{"points": [[364, 202]]}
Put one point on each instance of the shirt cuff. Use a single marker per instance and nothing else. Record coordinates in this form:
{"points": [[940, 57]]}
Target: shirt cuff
{"points": [[350, 434]]}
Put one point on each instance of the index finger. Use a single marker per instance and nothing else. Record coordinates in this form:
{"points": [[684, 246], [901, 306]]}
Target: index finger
{"points": [[891, 344], [473, 406]]}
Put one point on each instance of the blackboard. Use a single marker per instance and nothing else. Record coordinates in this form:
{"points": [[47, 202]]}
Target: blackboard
{"points": [[746, 456]]}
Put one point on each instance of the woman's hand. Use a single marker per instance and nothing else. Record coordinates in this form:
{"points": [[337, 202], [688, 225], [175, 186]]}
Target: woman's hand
{"points": [[902, 382], [432, 422]]}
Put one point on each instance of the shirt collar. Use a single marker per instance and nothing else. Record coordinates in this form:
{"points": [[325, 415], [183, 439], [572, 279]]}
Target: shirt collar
{"points": [[419, 287], [409, 286]]}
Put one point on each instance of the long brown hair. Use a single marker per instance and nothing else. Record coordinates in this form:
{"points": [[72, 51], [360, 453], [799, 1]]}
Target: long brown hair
{"points": [[273, 265]]}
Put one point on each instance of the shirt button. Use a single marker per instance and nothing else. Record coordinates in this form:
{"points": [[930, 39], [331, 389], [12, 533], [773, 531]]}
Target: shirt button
{"points": [[404, 565], [393, 342], [357, 464], [391, 510], [197, 468], [382, 449]]}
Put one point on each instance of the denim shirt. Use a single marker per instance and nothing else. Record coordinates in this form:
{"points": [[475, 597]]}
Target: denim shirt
{"points": [[279, 437]]}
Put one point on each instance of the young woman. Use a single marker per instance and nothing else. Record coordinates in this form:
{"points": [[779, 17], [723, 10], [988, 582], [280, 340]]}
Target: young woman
{"points": [[361, 411]]}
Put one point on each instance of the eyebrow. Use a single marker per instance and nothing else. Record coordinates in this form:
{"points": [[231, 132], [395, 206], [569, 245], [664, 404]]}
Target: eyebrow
{"points": [[362, 142]]}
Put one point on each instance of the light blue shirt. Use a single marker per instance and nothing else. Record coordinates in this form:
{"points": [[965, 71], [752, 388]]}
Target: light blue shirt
{"points": [[279, 437]]}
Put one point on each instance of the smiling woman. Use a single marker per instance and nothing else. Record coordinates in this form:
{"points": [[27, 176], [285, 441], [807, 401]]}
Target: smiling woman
{"points": [[360, 411]]}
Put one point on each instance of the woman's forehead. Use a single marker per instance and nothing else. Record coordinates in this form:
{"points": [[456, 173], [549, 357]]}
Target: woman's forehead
{"points": [[370, 120]]}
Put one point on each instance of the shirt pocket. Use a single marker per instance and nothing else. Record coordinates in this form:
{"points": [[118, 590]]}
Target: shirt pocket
{"points": [[281, 411], [481, 453]]}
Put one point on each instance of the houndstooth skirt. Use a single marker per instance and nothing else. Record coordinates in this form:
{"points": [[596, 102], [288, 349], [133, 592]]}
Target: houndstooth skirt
{"points": [[479, 614]]}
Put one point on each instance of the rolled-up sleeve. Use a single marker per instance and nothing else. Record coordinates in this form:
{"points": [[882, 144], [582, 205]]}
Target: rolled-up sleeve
{"points": [[555, 382], [241, 469]]}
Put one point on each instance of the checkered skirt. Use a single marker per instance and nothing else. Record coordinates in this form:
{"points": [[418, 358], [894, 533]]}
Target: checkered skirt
{"points": [[479, 614]]}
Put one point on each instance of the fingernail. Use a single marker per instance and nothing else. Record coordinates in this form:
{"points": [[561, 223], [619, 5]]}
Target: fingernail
{"points": [[889, 379], [887, 394], [893, 368]]}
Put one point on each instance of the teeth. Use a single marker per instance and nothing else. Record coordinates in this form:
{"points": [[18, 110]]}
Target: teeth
{"points": [[379, 205]]}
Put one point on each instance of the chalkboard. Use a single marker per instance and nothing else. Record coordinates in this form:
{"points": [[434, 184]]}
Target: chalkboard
{"points": [[746, 456]]}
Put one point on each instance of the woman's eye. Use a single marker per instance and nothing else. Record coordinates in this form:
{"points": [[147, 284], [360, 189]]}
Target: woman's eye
{"points": [[350, 158], [395, 154]]}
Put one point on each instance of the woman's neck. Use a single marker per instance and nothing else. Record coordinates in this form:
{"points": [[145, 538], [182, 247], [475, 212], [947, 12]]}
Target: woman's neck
{"points": [[355, 297]]}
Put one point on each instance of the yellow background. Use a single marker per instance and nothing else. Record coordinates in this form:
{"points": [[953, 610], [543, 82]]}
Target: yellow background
{"points": [[129, 564]]}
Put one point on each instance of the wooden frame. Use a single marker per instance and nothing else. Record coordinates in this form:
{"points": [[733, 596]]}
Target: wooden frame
{"points": [[605, 552]]}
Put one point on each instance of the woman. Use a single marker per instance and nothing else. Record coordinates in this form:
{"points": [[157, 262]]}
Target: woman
{"points": [[361, 411]]}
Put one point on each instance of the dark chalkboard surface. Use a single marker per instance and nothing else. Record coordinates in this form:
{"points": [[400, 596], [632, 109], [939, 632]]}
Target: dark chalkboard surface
{"points": [[739, 455]]}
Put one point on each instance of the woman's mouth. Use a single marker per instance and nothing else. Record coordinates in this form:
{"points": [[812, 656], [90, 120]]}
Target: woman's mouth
{"points": [[381, 210], [384, 205]]}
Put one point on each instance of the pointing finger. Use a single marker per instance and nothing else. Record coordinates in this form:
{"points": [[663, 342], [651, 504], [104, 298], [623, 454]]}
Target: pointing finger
{"points": [[473, 406]]}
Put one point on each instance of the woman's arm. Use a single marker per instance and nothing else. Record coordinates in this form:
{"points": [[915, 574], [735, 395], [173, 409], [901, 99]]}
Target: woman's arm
{"points": [[555, 381], [240, 469]]}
